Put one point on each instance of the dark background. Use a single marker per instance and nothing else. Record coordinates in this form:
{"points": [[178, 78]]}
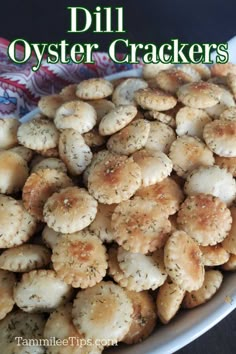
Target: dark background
{"points": [[145, 21]]}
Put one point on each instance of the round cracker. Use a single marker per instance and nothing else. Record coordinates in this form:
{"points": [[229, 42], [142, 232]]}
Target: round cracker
{"points": [[167, 193], [231, 81], [25, 258], [51, 163], [213, 256], [230, 265], [99, 156], [114, 179], [172, 79], [48, 152], [211, 180], [219, 136], [229, 242], [191, 121], [124, 92], [169, 299], [40, 186], [74, 152], [130, 139], [38, 134], [50, 237], [11, 214], [49, 104], [146, 271], [23, 326], [59, 325], [190, 70], [94, 89], [13, 172], [229, 113], [155, 166], [103, 312], [26, 229], [80, 259], [151, 70], [167, 117], [143, 318], [226, 100], [160, 138], [223, 69], [24, 152], [140, 225], [102, 107], [77, 115], [101, 226], [115, 272], [228, 163], [182, 258], [199, 95], [68, 93], [205, 218], [188, 153], [93, 139], [155, 99], [70, 210], [7, 283], [8, 132], [117, 119], [202, 69], [211, 284], [41, 291]]}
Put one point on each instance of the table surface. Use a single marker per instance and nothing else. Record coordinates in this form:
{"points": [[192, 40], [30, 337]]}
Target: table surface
{"points": [[149, 21]]}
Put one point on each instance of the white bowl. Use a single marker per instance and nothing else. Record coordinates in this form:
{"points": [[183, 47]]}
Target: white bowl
{"points": [[188, 324]]}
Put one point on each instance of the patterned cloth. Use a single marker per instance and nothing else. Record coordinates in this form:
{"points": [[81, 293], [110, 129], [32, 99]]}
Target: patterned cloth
{"points": [[20, 87]]}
